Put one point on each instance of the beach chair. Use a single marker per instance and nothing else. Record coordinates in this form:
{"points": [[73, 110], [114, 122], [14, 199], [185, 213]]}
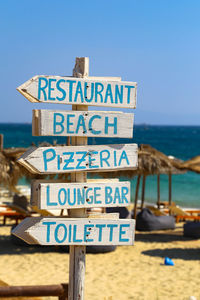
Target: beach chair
{"points": [[8, 213], [156, 211], [183, 215]]}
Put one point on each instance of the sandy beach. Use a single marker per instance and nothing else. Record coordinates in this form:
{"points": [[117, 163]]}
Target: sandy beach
{"points": [[134, 272]]}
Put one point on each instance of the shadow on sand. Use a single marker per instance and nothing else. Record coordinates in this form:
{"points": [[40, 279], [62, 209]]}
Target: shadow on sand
{"points": [[8, 247], [177, 253], [164, 236]]}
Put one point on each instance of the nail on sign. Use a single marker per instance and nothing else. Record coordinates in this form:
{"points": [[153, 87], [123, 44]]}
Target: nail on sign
{"points": [[70, 90]]}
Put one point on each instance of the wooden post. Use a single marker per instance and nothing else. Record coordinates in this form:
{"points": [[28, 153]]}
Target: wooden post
{"points": [[136, 196], [1, 142], [77, 253], [170, 192], [158, 190], [143, 190]]}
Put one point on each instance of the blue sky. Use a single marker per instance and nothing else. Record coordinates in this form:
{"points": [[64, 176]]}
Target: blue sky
{"points": [[155, 43]]}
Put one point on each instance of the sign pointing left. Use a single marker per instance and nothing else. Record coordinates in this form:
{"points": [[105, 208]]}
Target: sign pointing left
{"points": [[65, 159], [80, 91], [63, 231]]}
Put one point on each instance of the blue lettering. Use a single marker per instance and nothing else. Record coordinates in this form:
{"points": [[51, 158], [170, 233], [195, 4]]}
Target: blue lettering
{"points": [[70, 233], [75, 240], [79, 92], [90, 124], [111, 226], [124, 156], [47, 160], [51, 89], [129, 87], [48, 197], [68, 161], [117, 195], [118, 94], [72, 200], [98, 91], [86, 86], [108, 196], [100, 226], [60, 90], [104, 159], [114, 124], [87, 232], [91, 159], [71, 82], [58, 161], [62, 191], [121, 232], [58, 240], [89, 199], [48, 229], [58, 123], [80, 160], [108, 93], [70, 123], [81, 197], [96, 195], [42, 89], [124, 193], [81, 123]]}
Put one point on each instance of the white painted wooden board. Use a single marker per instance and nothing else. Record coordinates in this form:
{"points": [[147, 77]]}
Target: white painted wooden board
{"points": [[80, 91], [63, 231], [79, 195], [79, 123], [65, 159]]}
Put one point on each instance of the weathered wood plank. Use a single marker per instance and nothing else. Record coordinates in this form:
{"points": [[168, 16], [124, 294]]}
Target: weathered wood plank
{"points": [[63, 231], [80, 91], [79, 123], [79, 195], [64, 159]]}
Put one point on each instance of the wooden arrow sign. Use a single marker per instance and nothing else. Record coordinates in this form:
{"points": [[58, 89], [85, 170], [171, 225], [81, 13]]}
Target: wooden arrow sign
{"points": [[63, 231], [79, 123], [79, 91], [50, 195], [64, 159]]}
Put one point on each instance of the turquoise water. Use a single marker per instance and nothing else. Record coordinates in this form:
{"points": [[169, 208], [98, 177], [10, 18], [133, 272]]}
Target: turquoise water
{"points": [[182, 142]]}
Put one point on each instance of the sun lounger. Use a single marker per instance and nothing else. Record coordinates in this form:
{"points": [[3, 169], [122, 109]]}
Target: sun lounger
{"points": [[9, 213], [180, 214]]}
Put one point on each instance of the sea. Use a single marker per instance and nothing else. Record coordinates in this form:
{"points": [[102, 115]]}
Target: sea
{"points": [[182, 142]]}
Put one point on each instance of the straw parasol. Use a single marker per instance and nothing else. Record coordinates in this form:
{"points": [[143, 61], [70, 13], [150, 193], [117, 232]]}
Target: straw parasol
{"points": [[11, 171], [150, 162], [192, 164]]}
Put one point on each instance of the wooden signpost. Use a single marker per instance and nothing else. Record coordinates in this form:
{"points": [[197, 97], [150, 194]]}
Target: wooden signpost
{"points": [[79, 229]]}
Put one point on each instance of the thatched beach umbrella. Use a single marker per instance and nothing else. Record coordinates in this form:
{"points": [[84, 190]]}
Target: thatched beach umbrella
{"points": [[154, 162], [11, 171], [192, 164], [150, 162]]}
